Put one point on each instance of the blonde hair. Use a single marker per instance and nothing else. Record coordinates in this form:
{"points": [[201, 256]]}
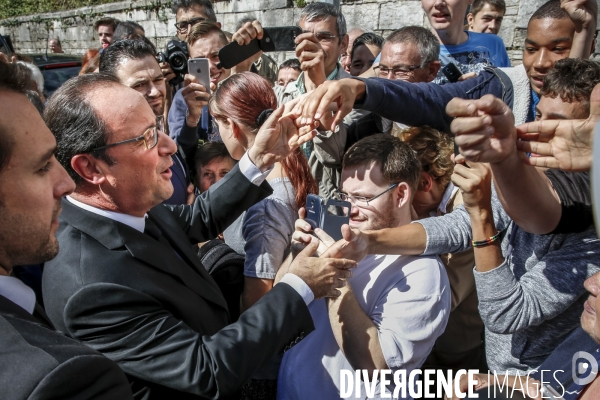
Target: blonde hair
{"points": [[434, 150]]}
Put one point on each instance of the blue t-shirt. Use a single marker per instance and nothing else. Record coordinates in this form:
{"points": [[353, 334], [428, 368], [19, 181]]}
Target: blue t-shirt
{"points": [[479, 51]]}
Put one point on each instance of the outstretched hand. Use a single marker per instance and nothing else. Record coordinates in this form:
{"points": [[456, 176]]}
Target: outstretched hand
{"points": [[562, 144], [343, 93], [583, 13], [484, 129], [277, 138]]}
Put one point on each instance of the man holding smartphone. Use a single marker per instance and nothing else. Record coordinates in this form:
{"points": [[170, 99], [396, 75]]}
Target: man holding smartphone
{"points": [[189, 119], [394, 307], [318, 49]]}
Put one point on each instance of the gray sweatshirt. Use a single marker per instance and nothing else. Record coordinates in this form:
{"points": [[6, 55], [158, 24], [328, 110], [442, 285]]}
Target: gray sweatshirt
{"points": [[534, 299]]}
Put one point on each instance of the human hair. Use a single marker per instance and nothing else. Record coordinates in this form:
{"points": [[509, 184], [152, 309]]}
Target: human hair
{"points": [[573, 80], [368, 38], [292, 63], [90, 59], [128, 49], [477, 6], [16, 80], [74, 122], [202, 29], [243, 21], [318, 11], [106, 21], [57, 41], [426, 42], [434, 150], [187, 4], [550, 9], [36, 77], [398, 162], [242, 98], [127, 30], [209, 152]]}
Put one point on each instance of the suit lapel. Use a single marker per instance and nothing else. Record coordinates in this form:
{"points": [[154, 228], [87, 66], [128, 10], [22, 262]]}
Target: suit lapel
{"points": [[114, 235], [7, 307]]}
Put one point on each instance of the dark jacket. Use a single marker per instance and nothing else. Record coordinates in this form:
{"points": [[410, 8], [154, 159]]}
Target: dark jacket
{"points": [[154, 309], [416, 104], [39, 363]]}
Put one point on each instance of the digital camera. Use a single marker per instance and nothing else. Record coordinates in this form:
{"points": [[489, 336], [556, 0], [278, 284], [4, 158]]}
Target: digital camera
{"points": [[176, 54]]}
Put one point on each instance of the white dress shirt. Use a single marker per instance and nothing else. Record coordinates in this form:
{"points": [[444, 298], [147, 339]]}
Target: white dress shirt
{"points": [[17, 292], [253, 174]]}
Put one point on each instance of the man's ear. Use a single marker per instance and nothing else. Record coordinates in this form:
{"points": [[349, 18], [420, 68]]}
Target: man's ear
{"points": [[344, 42], [218, 24], [432, 70], [404, 194], [86, 166], [425, 182], [470, 18]]}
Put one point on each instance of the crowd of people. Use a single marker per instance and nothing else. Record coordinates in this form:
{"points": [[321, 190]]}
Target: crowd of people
{"points": [[156, 242]]}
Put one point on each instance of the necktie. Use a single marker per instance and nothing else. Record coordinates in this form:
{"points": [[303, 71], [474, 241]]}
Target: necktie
{"points": [[40, 315]]}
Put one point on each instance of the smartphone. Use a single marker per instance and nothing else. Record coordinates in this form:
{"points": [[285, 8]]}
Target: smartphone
{"points": [[281, 38], [314, 210], [452, 72], [337, 213], [201, 70]]}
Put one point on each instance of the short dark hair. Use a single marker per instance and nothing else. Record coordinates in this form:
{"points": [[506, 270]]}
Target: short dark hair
{"points": [[243, 21], [427, 43], [187, 4], [398, 162], [106, 21], [127, 30], [122, 50], [292, 63], [202, 29], [550, 9], [207, 153], [12, 79], [57, 41], [74, 122], [318, 11], [368, 38], [573, 80], [478, 5]]}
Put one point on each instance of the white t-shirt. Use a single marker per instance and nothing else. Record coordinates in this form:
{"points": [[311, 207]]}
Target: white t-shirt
{"points": [[406, 297]]}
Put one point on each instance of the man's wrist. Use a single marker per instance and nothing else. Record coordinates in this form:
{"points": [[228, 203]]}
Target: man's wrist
{"points": [[192, 120], [258, 161]]}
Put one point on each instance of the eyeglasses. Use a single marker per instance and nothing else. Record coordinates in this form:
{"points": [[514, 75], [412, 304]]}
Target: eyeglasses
{"points": [[398, 72], [183, 26], [323, 37], [361, 201], [150, 136]]}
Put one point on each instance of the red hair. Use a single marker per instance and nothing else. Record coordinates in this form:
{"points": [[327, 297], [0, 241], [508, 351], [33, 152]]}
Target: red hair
{"points": [[241, 98]]}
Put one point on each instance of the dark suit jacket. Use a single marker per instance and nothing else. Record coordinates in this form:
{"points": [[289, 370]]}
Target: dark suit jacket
{"points": [[158, 314], [37, 362]]}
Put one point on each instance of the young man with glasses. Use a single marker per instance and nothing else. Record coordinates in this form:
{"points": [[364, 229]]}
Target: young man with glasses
{"points": [[394, 307]]}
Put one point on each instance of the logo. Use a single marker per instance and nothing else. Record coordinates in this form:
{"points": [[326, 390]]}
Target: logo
{"points": [[580, 368]]}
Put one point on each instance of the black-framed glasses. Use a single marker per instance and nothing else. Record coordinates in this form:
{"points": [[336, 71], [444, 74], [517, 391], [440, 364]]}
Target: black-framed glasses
{"points": [[183, 26], [361, 201], [150, 136], [323, 37], [399, 72]]}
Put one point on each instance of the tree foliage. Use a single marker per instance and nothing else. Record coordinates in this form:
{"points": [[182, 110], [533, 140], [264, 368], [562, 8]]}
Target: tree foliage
{"points": [[15, 8]]}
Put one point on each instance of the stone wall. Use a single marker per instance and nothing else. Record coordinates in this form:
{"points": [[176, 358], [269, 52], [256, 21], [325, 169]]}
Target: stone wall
{"points": [[74, 27]]}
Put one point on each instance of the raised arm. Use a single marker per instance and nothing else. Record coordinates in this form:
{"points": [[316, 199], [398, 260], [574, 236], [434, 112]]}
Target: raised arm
{"points": [[584, 14]]}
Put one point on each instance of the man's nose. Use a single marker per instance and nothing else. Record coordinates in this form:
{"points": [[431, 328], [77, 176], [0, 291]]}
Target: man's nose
{"points": [[544, 60], [166, 145]]}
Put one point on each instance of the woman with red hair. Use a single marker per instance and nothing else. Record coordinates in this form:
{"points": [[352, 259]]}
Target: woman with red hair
{"points": [[240, 105]]}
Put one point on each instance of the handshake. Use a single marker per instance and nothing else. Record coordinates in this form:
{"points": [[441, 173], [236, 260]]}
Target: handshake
{"points": [[321, 262]]}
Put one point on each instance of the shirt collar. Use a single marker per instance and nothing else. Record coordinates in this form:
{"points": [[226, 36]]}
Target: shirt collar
{"points": [[137, 223], [17, 292], [448, 195], [300, 81]]}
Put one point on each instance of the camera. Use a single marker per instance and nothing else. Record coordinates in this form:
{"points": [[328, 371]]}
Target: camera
{"points": [[176, 54]]}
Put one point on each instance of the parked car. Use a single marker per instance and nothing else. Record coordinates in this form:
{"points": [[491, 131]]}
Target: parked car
{"points": [[56, 68]]}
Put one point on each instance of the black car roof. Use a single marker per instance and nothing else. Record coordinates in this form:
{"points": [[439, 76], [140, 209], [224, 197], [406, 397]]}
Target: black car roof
{"points": [[42, 60]]}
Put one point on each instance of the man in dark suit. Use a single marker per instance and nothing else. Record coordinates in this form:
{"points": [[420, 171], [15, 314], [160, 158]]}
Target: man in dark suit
{"points": [[127, 281], [36, 362]]}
